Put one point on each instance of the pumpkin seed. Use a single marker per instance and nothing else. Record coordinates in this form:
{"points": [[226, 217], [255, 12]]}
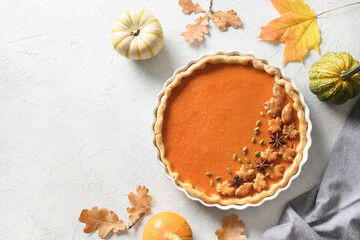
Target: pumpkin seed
{"points": [[251, 166], [218, 178], [228, 170], [256, 133], [262, 142], [256, 129], [258, 122], [208, 173], [234, 156], [211, 182], [247, 160], [262, 114], [244, 150], [253, 140], [257, 153], [239, 160]]}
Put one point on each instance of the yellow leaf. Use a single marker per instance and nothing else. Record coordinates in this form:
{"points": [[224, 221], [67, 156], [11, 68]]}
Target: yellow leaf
{"points": [[296, 27], [103, 220], [196, 31], [188, 7], [223, 20], [231, 229]]}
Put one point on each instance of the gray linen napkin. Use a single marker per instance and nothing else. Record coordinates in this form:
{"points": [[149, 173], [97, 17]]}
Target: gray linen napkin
{"points": [[331, 210]]}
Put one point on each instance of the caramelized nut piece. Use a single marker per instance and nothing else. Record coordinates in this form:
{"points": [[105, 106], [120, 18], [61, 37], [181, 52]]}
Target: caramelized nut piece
{"points": [[278, 93], [286, 114], [243, 189]]}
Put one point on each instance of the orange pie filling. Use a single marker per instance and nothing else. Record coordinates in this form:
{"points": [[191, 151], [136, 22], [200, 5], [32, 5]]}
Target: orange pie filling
{"points": [[229, 130]]}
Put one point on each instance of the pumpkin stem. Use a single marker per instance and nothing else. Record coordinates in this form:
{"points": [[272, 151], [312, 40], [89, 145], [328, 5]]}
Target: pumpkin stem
{"points": [[135, 33], [347, 74], [173, 236]]}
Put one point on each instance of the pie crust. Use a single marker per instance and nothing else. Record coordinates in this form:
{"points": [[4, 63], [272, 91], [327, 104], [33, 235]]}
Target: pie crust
{"points": [[259, 65]]}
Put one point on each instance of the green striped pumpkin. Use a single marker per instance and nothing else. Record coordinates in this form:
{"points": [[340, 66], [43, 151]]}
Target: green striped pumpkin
{"points": [[325, 80]]}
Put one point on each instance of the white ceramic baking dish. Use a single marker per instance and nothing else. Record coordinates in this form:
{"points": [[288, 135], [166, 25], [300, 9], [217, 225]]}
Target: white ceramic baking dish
{"points": [[243, 206]]}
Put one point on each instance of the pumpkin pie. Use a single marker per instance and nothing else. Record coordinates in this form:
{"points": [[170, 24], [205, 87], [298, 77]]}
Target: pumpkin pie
{"points": [[230, 129]]}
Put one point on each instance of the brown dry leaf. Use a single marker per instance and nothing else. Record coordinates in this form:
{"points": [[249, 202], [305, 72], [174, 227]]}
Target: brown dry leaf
{"points": [[290, 131], [243, 189], [245, 173], [225, 188], [103, 220], [273, 107], [269, 154], [259, 182], [196, 31], [287, 154], [139, 203], [188, 7], [232, 229], [286, 114], [223, 20], [274, 125], [274, 172]]}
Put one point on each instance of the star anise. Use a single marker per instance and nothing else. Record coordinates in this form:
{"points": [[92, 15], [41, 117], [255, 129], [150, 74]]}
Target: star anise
{"points": [[262, 165], [277, 141], [236, 181]]}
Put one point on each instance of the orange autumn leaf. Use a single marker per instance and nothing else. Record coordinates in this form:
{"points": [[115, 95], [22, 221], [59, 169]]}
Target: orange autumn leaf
{"points": [[103, 220], [196, 31], [139, 204], [296, 27], [188, 7], [223, 20], [231, 229]]}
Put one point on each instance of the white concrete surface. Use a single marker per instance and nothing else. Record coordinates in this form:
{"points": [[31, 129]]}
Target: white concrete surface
{"points": [[75, 122]]}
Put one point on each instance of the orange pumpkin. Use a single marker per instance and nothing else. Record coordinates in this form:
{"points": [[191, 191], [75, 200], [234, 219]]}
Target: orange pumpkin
{"points": [[167, 226]]}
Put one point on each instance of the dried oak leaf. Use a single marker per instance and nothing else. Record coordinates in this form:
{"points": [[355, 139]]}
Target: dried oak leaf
{"points": [[286, 114], [223, 20], [243, 189], [259, 182], [269, 154], [188, 7], [139, 203], [290, 131], [287, 154], [196, 31], [232, 229], [225, 188], [101, 219], [274, 172], [273, 107], [245, 173], [274, 125], [296, 27]]}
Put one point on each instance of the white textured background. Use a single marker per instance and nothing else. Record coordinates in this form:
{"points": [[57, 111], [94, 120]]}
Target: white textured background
{"points": [[75, 122]]}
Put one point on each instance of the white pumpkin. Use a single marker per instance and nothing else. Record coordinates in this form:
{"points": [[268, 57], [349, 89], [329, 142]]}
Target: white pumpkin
{"points": [[137, 34]]}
